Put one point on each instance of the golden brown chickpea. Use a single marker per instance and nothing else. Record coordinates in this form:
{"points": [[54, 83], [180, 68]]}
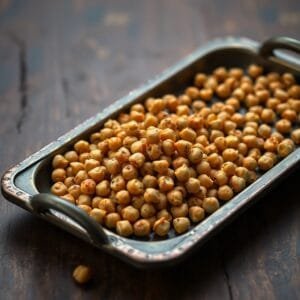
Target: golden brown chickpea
{"points": [[200, 79], [195, 155], [265, 162], [223, 90], [250, 140], [88, 186], [69, 181], [112, 219], [182, 173], [164, 214], [168, 146], [163, 202], [215, 160], [152, 135], [82, 147], [98, 215], [238, 119], [59, 189], [285, 147], [181, 224], [161, 226], [188, 134], [283, 126], [166, 183], [230, 154], [153, 151], [103, 188], [205, 181], [129, 172], [123, 197], [229, 168], [193, 185], [250, 163], [237, 183], [130, 213], [74, 190], [71, 156], [181, 210], [58, 174], [95, 202], [206, 94], [290, 115], [59, 161], [220, 74], [220, 177], [80, 176], [295, 135], [175, 197], [69, 198], [135, 187], [192, 92], [211, 83], [82, 274], [203, 168], [254, 71], [112, 165], [196, 214], [210, 204], [137, 201], [142, 228], [242, 149], [124, 228], [160, 166], [76, 167], [150, 181], [225, 193], [107, 204], [151, 195], [263, 95], [85, 208], [84, 200]]}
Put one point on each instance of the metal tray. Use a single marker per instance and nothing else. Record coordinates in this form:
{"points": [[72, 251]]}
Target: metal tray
{"points": [[28, 183]]}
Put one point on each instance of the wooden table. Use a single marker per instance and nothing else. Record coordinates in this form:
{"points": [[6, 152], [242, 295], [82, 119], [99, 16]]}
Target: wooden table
{"points": [[63, 61]]}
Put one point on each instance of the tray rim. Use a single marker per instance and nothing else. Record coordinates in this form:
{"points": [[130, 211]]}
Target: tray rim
{"points": [[118, 245]]}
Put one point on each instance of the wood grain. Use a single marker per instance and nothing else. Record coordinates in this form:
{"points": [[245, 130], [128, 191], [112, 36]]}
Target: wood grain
{"points": [[62, 61]]}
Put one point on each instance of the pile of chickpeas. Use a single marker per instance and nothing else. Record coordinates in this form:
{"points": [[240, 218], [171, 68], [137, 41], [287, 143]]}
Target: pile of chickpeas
{"points": [[172, 161]]}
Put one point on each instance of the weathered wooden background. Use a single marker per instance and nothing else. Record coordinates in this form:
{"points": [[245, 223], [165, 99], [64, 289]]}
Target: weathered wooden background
{"points": [[62, 61]]}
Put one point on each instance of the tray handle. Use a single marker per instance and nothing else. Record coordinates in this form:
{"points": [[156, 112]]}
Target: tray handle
{"points": [[43, 202], [267, 49]]}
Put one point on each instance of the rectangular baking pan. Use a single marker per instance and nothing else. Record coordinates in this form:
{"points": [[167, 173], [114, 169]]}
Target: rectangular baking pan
{"points": [[27, 184]]}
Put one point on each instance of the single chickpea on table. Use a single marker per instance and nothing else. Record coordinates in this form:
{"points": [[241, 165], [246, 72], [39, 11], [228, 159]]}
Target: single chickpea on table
{"points": [[172, 161]]}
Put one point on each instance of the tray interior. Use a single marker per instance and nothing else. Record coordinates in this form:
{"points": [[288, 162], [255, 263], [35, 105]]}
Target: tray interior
{"points": [[227, 57]]}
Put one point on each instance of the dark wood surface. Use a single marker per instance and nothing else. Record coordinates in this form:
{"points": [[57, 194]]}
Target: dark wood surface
{"points": [[62, 61]]}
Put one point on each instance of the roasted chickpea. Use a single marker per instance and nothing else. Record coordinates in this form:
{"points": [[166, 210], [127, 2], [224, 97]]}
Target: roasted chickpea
{"points": [[58, 175], [225, 193], [283, 126], [196, 214], [180, 210], [285, 147], [175, 197], [161, 226], [59, 189], [181, 224], [237, 183], [142, 228], [112, 219], [98, 215], [124, 228], [135, 187], [165, 183], [210, 204]]}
